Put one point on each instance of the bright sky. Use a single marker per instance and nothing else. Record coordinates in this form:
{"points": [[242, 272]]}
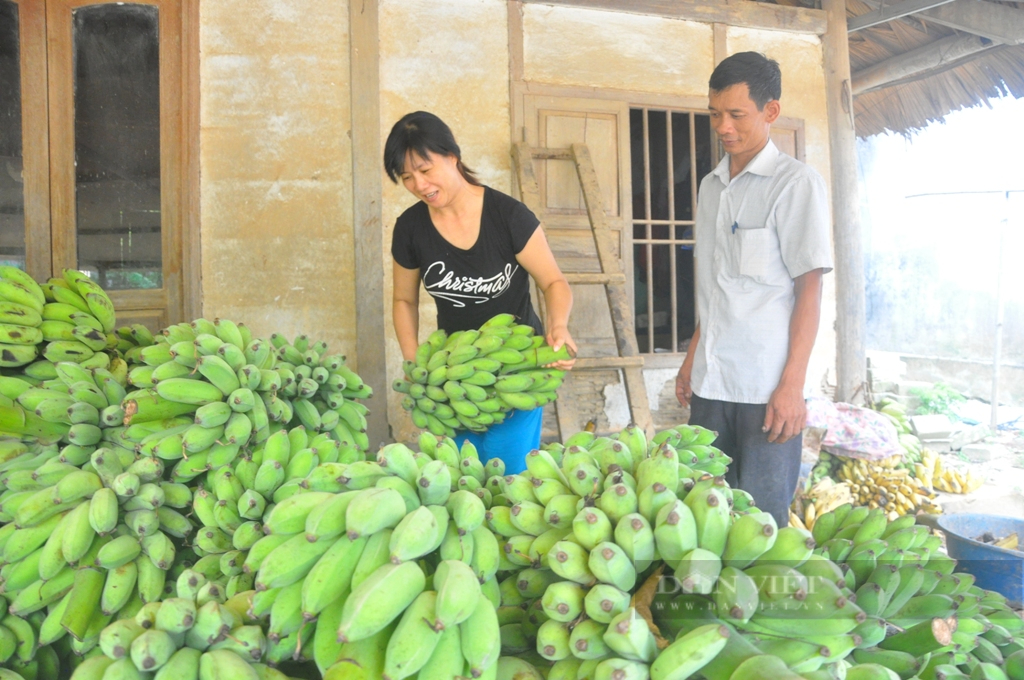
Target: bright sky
{"points": [[977, 149]]}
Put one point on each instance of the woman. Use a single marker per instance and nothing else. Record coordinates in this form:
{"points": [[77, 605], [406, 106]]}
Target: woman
{"points": [[474, 249]]}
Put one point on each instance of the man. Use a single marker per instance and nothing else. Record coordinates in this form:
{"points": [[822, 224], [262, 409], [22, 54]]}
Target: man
{"points": [[762, 233]]}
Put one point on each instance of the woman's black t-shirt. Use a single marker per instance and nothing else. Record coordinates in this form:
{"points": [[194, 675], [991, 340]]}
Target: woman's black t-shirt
{"points": [[474, 285]]}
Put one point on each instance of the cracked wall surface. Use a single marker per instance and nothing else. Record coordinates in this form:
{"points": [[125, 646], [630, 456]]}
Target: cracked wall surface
{"points": [[276, 168]]}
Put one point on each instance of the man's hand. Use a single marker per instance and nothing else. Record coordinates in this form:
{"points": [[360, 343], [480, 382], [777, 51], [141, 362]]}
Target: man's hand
{"points": [[683, 391], [785, 415], [556, 337]]}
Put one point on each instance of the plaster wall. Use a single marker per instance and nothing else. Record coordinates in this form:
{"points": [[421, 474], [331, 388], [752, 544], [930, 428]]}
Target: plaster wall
{"points": [[276, 184], [449, 57], [616, 50]]}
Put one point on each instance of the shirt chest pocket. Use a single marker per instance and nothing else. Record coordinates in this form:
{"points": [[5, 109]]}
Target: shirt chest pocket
{"points": [[753, 248]]}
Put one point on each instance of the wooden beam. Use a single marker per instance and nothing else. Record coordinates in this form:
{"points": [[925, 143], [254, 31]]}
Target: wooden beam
{"points": [[887, 13], [998, 23], [734, 13], [918, 62], [851, 369], [515, 41], [721, 38], [371, 358], [605, 363], [35, 140], [192, 266], [553, 154]]}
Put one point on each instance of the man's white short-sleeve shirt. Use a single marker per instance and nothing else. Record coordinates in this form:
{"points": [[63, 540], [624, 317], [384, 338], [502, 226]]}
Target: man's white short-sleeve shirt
{"points": [[754, 234]]}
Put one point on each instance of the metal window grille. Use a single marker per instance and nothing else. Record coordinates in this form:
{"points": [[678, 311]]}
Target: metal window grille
{"points": [[670, 151]]}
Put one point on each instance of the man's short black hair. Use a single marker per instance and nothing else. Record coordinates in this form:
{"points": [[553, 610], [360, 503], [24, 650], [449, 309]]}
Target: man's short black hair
{"points": [[761, 74]]}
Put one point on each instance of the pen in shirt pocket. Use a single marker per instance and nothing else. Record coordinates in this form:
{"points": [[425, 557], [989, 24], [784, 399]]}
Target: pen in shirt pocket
{"points": [[736, 225]]}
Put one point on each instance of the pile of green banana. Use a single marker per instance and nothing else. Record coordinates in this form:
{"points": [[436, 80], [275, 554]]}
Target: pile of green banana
{"points": [[198, 504], [226, 389], [900, 577], [93, 529], [65, 319], [470, 379], [636, 565], [195, 632], [584, 528], [609, 558], [122, 466], [393, 569]]}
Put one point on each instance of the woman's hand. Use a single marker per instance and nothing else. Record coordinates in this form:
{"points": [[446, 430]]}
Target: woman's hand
{"points": [[537, 259], [556, 338]]}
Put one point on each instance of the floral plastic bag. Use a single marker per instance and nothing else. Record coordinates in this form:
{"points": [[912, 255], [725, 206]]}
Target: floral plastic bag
{"points": [[853, 431]]}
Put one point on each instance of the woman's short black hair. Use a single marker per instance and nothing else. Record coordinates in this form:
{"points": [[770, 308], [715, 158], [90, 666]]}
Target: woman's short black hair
{"points": [[421, 133], [761, 74]]}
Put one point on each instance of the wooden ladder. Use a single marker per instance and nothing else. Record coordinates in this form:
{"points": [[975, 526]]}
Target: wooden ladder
{"points": [[611, 277]]}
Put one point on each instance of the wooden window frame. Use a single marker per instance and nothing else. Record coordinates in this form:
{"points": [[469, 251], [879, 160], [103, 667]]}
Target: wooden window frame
{"points": [[796, 125], [742, 13], [47, 102], [35, 139]]}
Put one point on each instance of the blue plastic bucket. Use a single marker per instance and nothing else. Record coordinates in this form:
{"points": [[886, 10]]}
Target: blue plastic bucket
{"points": [[993, 568]]}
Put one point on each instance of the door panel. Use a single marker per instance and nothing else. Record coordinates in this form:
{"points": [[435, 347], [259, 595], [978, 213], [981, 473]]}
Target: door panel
{"points": [[785, 140], [561, 189], [788, 135], [603, 125]]}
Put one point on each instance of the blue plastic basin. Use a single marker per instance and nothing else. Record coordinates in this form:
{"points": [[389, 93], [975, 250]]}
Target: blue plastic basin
{"points": [[994, 568]]}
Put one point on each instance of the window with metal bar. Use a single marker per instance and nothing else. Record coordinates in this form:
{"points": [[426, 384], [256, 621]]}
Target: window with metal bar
{"points": [[671, 150]]}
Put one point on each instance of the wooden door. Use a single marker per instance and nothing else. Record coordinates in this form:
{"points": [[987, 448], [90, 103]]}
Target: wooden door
{"points": [[557, 122]]}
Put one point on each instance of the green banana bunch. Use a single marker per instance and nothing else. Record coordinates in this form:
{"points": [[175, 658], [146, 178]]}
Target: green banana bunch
{"points": [[471, 379], [185, 635], [199, 503], [103, 502], [21, 307]]}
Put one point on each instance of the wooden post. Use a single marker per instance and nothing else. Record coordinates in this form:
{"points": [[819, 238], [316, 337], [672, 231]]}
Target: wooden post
{"points": [[192, 261], [849, 270], [366, 212], [721, 37]]}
